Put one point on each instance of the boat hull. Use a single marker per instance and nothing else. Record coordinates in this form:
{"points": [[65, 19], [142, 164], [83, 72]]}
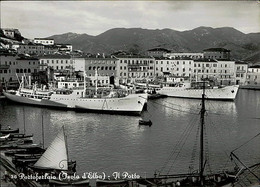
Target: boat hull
{"points": [[225, 93], [132, 104]]}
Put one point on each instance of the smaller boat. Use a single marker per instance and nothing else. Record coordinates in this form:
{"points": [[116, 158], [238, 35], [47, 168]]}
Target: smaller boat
{"points": [[24, 151], [3, 138], [9, 130], [27, 156], [145, 122], [25, 138]]}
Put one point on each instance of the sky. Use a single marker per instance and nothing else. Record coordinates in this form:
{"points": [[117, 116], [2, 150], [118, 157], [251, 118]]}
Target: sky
{"points": [[46, 18]]}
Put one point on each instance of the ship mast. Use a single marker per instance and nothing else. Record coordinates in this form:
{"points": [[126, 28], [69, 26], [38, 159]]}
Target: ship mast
{"points": [[202, 122]]}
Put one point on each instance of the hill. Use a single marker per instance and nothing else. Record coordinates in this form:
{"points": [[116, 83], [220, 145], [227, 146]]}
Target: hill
{"points": [[241, 45]]}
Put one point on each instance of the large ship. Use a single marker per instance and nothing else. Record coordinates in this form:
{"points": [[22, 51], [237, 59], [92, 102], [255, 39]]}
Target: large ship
{"points": [[194, 91], [113, 102]]}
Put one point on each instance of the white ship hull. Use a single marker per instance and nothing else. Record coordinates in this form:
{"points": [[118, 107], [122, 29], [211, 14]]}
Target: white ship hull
{"points": [[132, 104], [225, 93]]}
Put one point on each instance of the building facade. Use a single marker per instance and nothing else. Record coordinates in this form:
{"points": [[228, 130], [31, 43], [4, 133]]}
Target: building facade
{"points": [[193, 56], [43, 41], [13, 67], [205, 69], [241, 72], [157, 52], [31, 49], [253, 75], [217, 53], [57, 62], [227, 75], [140, 67]]}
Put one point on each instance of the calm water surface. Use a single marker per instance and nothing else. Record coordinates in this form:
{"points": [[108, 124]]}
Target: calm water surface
{"points": [[115, 143]]}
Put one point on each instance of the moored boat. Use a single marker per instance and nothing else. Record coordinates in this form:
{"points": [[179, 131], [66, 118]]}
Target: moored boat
{"points": [[187, 90], [8, 131], [199, 177], [145, 122], [132, 104]]}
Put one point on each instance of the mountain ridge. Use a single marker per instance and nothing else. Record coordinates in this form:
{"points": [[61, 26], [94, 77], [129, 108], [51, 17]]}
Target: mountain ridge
{"points": [[196, 40]]}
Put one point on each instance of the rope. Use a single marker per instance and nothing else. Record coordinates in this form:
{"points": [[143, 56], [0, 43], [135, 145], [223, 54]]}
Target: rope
{"points": [[193, 154], [184, 136], [174, 108], [246, 142]]}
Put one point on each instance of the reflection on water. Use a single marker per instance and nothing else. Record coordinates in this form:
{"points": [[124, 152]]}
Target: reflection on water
{"points": [[109, 143]]}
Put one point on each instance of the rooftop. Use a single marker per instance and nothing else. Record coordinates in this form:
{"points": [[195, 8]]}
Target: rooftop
{"points": [[132, 56], [255, 66], [43, 39], [205, 60], [241, 62], [54, 56], [160, 49], [216, 50]]}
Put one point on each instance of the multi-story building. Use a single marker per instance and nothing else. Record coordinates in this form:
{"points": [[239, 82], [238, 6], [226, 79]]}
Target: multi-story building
{"points": [[140, 67], [31, 49], [193, 56], [217, 53], [122, 68], [57, 62], [13, 67], [253, 75], [205, 69], [163, 66], [227, 75], [105, 67], [157, 52], [43, 41], [241, 72], [183, 66]]}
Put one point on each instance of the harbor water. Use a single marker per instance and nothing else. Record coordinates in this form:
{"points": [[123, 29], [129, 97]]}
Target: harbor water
{"points": [[116, 143]]}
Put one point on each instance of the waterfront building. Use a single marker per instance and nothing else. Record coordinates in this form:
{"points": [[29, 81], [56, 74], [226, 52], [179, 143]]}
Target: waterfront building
{"points": [[241, 72], [122, 68], [193, 56], [163, 66], [183, 66], [205, 69], [44, 41], [13, 67], [216, 53], [106, 67], [226, 69], [57, 62], [140, 68], [253, 75], [157, 52]]}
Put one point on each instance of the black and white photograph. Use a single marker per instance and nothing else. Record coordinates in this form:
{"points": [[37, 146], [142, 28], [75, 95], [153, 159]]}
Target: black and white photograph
{"points": [[130, 93]]}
